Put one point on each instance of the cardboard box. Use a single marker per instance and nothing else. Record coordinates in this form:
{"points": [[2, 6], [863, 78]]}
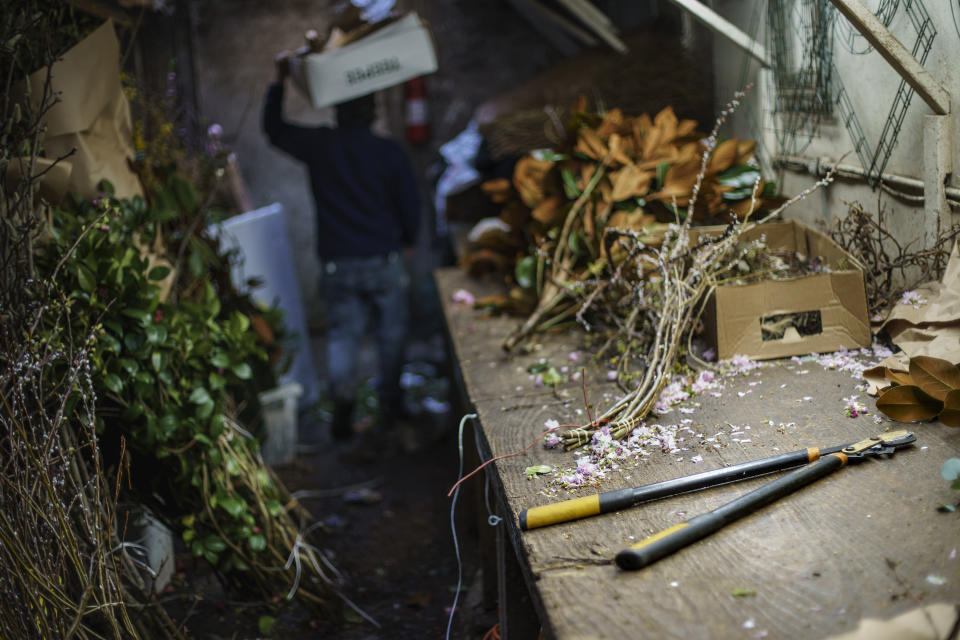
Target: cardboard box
{"points": [[779, 318], [390, 55]]}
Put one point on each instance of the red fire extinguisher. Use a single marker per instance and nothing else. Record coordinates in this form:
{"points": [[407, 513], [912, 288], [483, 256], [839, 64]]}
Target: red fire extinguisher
{"points": [[415, 99]]}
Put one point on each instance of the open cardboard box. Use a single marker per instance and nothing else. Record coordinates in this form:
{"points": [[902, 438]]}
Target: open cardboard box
{"points": [[389, 55], [780, 318]]}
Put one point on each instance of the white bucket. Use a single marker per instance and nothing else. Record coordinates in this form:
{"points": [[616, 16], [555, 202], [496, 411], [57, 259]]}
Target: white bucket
{"points": [[279, 407]]}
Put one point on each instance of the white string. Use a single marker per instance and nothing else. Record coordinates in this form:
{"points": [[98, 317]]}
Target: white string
{"points": [[453, 526], [492, 519]]}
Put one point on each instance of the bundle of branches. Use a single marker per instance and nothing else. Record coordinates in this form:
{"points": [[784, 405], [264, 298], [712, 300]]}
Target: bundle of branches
{"points": [[891, 267], [651, 295], [66, 570], [614, 172]]}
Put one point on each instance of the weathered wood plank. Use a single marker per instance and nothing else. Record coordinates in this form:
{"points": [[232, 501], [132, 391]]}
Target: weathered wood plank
{"points": [[859, 543]]}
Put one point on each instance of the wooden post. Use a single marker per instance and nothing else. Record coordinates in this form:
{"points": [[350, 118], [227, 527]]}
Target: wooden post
{"points": [[893, 51], [937, 166]]}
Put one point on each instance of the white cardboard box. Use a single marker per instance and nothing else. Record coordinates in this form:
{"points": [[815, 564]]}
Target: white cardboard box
{"points": [[385, 58]]}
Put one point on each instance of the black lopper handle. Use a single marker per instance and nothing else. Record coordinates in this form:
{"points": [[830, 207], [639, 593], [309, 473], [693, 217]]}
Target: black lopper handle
{"points": [[662, 544]]}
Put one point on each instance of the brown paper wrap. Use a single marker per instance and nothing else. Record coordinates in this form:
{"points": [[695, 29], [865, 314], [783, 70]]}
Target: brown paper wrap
{"points": [[933, 327], [92, 116]]}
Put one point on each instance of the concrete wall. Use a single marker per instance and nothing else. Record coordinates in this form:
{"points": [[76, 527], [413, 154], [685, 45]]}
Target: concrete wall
{"points": [[871, 84]]}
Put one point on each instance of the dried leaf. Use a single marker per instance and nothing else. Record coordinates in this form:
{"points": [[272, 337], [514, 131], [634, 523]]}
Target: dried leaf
{"points": [[590, 144], [498, 189], [900, 377], [635, 220], [723, 156], [686, 127], [550, 211], [612, 122], [745, 149], [529, 178], [629, 182], [950, 414], [908, 403], [935, 376], [667, 122]]}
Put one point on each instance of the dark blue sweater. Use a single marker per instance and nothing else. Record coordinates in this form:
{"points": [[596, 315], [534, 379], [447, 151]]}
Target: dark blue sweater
{"points": [[363, 186]]}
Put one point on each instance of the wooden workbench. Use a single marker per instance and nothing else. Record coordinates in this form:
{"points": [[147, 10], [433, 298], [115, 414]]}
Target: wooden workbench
{"points": [[865, 542]]}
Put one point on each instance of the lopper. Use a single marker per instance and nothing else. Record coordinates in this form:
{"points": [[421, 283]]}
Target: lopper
{"points": [[819, 463]]}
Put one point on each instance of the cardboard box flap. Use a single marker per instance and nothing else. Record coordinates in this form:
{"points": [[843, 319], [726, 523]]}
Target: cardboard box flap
{"points": [[391, 55], [778, 318]]}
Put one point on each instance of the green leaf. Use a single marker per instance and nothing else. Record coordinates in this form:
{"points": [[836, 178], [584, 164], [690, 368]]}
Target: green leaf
{"points": [[243, 371], [130, 366], [136, 314], [743, 592], [84, 279], [153, 334], [199, 395], [536, 470], [205, 410], [239, 322], [570, 188], [526, 272], [156, 360], [266, 624], [220, 360], [216, 381], [257, 542], [167, 425], [158, 273], [233, 506], [662, 169], [946, 508], [214, 543], [113, 383]]}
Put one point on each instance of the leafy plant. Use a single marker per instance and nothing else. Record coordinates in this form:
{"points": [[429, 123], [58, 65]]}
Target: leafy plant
{"points": [[930, 389], [167, 375]]}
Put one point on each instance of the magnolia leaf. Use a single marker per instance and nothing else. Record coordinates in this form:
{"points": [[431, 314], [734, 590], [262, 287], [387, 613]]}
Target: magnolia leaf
{"points": [[723, 156], [629, 181], [900, 377], [935, 376], [908, 403], [550, 211], [950, 414]]}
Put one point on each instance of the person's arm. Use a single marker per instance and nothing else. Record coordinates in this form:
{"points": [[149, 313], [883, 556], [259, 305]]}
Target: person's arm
{"points": [[287, 137]]}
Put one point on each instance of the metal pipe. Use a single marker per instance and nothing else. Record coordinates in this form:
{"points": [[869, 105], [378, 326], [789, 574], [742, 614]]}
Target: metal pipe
{"points": [[820, 167]]}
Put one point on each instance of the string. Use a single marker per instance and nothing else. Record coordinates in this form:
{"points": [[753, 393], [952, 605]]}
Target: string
{"points": [[453, 525]]}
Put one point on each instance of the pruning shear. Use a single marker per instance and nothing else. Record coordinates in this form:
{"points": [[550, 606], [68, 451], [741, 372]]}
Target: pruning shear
{"points": [[820, 462], [666, 542]]}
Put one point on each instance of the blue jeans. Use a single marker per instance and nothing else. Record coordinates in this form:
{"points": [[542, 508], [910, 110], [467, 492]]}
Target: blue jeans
{"points": [[357, 293]]}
